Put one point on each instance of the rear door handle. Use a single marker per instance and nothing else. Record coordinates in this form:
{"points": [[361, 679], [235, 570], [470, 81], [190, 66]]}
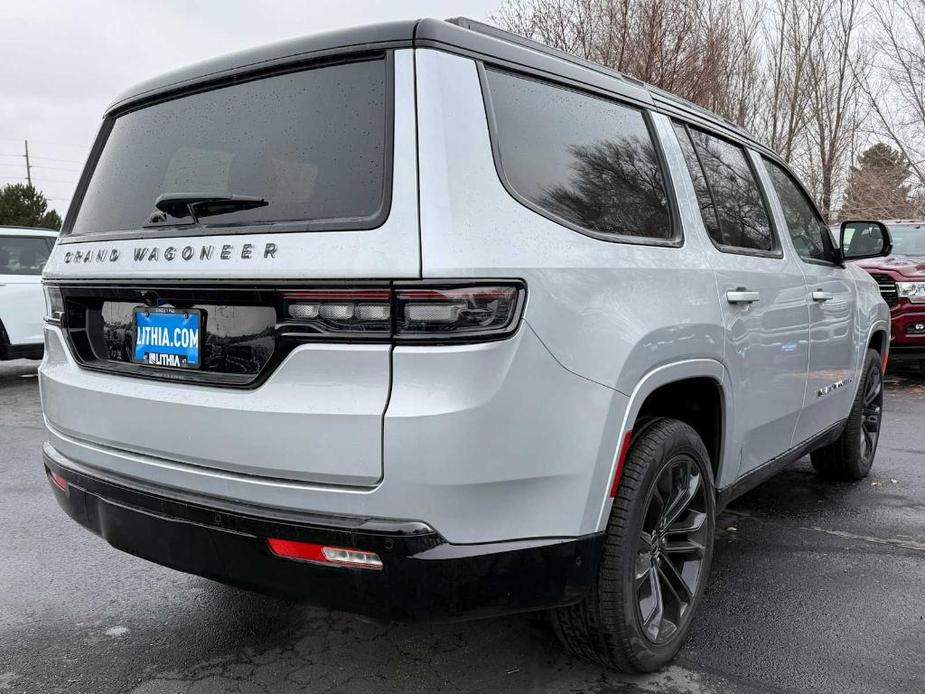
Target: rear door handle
{"points": [[742, 296], [820, 295]]}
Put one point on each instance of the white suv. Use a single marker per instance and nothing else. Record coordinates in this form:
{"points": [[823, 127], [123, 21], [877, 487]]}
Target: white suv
{"points": [[424, 322], [23, 253]]}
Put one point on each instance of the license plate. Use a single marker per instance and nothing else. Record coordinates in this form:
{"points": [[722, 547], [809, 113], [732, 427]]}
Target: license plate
{"points": [[167, 336]]}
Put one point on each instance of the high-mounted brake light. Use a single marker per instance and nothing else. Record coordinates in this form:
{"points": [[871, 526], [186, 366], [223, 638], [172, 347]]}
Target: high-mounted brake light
{"points": [[323, 554], [407, 314]]}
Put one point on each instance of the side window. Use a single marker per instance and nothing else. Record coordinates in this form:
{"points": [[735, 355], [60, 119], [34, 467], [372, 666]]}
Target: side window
{"points": [[22, 255], [588, 161], [704, 197], [810, 235], [730, 200]]}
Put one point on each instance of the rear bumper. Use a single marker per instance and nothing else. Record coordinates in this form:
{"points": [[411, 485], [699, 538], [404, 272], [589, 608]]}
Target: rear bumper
{"points": [[423, 577]]}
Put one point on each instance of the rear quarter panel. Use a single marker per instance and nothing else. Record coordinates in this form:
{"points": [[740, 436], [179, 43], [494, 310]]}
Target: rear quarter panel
{"points": [[612, 313]]}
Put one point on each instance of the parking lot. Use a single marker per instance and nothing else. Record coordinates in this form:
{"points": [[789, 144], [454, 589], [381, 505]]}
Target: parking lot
{"points": [[815, 587]]}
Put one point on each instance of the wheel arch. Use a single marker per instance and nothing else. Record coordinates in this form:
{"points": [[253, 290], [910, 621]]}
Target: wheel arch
{"points": [[692, 391], [879, 340]]}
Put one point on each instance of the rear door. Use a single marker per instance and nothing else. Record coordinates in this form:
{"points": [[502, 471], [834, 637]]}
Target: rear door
{"points": [[831, 296], [328, 153], [22, 305], [762, 293]]}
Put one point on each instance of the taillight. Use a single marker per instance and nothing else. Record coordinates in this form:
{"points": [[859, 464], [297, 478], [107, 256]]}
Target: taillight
{"points": [[54, 304], [323, 554], [456, 312], [405, 313], [366, 312]]}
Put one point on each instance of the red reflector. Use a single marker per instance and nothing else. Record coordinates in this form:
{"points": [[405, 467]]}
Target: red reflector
{"points": [[59, 481], [886, 357], [624, 449], [323, 554]]}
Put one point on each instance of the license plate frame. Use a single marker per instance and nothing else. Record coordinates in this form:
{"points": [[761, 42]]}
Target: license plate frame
{"points": [[169, 356]]}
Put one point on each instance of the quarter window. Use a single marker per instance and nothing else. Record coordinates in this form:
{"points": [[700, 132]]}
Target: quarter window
{"points": [[586, 160], [22, 255], [809, 233], [730, 200]]}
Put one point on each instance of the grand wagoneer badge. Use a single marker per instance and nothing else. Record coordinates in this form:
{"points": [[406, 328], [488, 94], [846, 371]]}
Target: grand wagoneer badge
{"points": [[226, 251]]}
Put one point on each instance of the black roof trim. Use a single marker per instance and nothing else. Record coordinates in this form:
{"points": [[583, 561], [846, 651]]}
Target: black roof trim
{"points": [[363, 38], [459, 34]]}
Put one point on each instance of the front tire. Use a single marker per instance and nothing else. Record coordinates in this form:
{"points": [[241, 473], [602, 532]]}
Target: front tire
{"points": [[656, 557], [851, 456]]}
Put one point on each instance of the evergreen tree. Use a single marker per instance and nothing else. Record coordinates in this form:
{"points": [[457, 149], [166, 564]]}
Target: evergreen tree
{"points": [[878, 186], [22, 205]]}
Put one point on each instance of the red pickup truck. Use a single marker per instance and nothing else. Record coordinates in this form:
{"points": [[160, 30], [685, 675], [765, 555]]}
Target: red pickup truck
{"points": [[901, 277]]}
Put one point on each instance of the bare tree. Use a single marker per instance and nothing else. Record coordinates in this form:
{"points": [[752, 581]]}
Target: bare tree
{"points": [[790, 37], [897, 90], [835, 97], [795, 72], [702, 50]]}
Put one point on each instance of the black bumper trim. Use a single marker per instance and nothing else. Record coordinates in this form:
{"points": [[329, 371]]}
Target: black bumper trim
{"points": [[424, 577]]}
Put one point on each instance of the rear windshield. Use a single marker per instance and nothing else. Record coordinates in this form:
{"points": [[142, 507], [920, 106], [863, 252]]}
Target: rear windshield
{"points": [[312, 144]]}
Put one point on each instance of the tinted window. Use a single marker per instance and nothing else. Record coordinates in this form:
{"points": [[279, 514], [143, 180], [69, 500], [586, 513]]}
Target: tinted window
{"points": [[311, 143], [704, 197], [22, 255], [735, 214], [809, 233], [588, 160], [908, 240]]}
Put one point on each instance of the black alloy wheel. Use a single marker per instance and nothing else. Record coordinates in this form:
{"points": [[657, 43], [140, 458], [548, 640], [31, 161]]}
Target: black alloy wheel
{"points": [[669, 559], [656, 556], [851, 455]]}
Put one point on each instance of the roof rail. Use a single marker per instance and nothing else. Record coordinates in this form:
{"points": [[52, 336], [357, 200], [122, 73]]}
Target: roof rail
{"points": [[656, 92], [510, 37]]}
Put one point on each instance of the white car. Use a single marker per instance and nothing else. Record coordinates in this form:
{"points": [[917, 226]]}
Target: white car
{"points": [[23, 253]]}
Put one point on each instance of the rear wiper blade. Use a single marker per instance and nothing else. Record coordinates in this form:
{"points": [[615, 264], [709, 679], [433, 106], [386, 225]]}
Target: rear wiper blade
{"points": [[198, 205]]}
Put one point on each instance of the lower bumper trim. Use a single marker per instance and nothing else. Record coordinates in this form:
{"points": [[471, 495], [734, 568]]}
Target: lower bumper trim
{"points": [[423, 576]]}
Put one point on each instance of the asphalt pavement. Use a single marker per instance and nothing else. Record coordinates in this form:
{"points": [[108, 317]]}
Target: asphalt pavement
{"points": [[815, 587]]}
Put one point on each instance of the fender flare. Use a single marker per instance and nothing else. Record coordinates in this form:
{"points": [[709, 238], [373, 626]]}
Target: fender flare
{"points": [[648, 384]]}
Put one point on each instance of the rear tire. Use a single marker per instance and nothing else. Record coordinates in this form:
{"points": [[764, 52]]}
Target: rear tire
{"points": [[656, 556], [851, 456]]}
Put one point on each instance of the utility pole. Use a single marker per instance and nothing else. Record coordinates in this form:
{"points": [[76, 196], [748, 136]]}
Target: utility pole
{"points": [[28, 166]]}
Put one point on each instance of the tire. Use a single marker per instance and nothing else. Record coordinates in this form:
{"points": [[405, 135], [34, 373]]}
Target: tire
{"points": [[851, 455], [640, 557]]}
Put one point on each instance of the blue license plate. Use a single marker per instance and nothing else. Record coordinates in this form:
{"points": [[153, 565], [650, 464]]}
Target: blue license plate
{"points": [[168, 337]]}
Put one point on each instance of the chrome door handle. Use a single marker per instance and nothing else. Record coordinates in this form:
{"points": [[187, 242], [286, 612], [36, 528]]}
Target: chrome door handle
{"points": [[820, 295], [742, 296]]}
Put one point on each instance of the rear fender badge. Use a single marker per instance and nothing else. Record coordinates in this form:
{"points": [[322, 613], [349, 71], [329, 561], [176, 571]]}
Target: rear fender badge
{"points": [[825, 390], [204, 252]]}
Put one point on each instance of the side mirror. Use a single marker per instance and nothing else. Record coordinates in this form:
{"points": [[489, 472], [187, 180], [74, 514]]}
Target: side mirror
{"points": [[864, 239]]}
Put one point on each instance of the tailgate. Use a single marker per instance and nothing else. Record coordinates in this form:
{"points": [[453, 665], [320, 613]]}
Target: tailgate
{"points": [[299, 425]]}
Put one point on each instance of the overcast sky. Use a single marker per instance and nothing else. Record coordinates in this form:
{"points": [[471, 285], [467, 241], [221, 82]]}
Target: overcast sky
{"points": [[62, 62]]}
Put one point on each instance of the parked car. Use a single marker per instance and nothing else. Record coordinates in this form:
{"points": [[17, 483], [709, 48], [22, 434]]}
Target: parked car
{"points": [[23, 253], [901, 278], [426, 321]]}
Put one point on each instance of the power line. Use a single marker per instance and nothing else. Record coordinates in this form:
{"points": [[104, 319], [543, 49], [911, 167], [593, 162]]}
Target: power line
{"points": [[62, 161], [46, 180], [44, 158], [54, 168], [46, 142], [76, 174]]}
